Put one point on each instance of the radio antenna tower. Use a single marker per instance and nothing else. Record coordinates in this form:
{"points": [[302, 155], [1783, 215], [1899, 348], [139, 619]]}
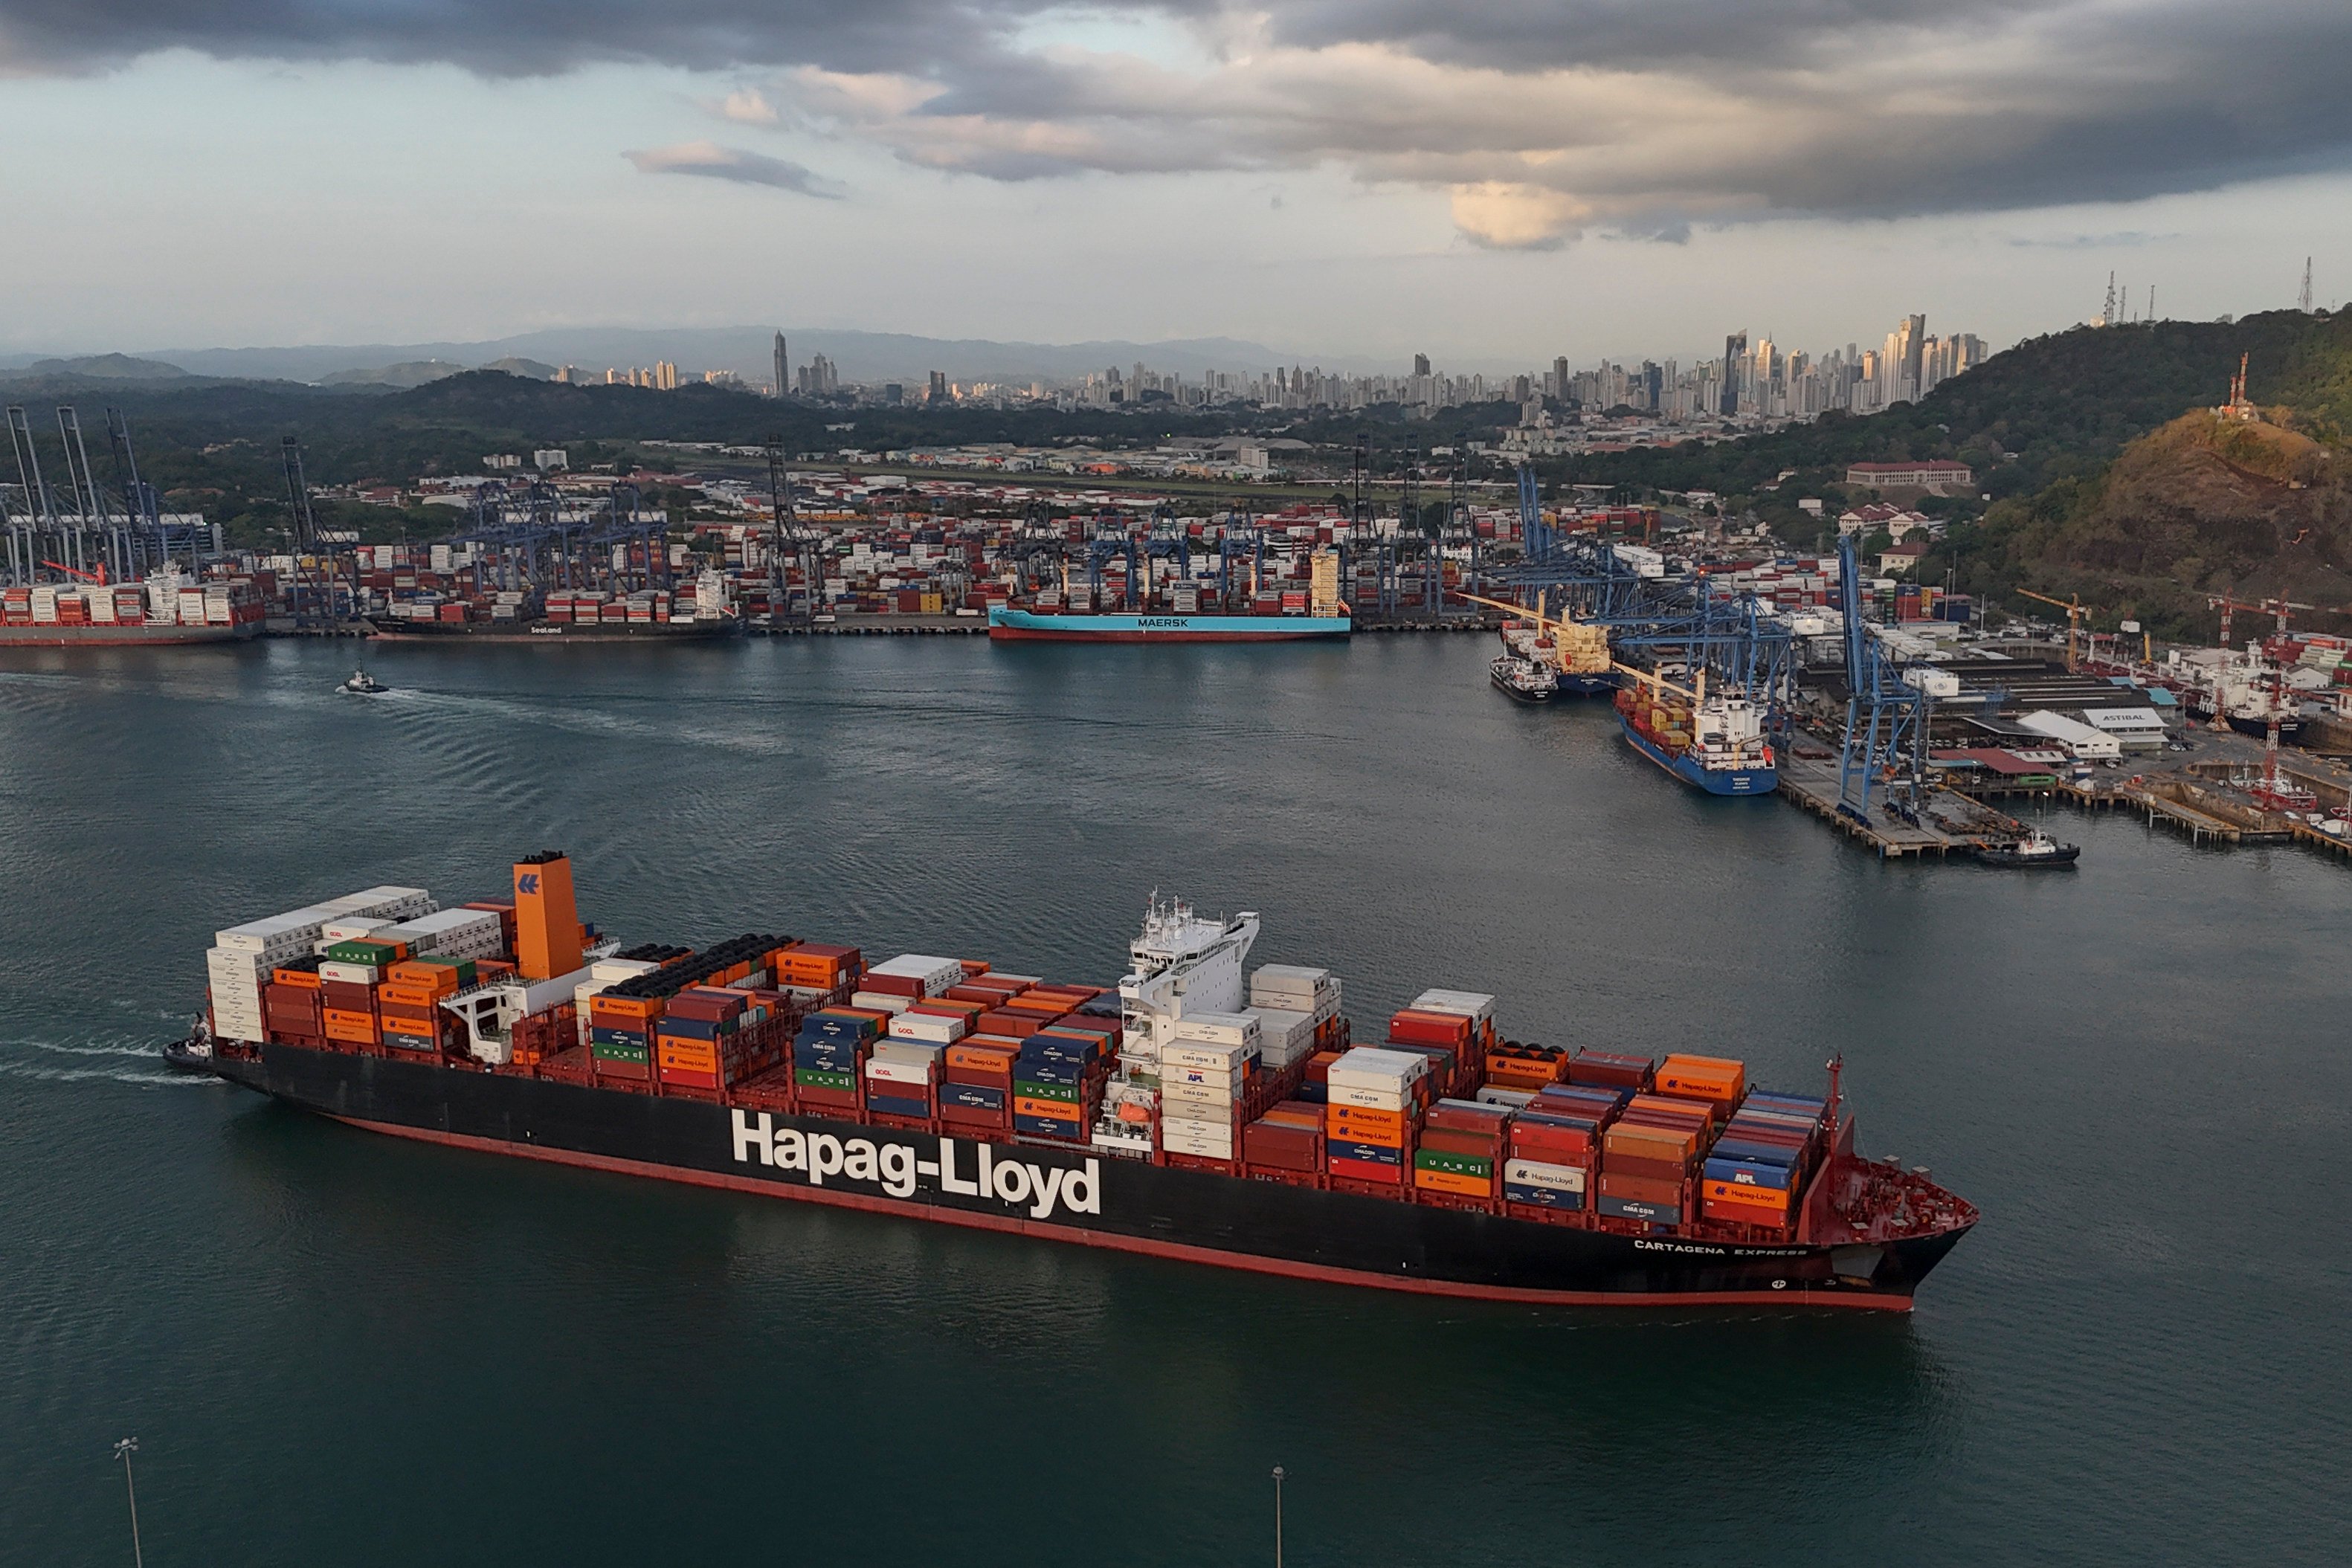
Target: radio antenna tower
{"points": [[2108, 311], [2302, 300]]}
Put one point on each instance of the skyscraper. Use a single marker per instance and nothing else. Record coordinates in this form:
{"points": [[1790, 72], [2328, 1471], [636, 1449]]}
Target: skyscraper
{"points": [[1735, 349], [783, 367]]}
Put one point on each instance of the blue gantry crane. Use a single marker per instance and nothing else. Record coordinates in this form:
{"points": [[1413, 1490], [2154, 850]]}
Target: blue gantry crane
{"points": [[1886, 716]]}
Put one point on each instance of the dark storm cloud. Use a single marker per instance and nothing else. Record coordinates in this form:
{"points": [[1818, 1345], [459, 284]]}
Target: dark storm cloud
{"points": [[1643, 115]]}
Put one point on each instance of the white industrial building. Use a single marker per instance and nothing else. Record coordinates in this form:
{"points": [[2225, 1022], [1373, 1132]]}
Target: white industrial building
{"points": [[2082, 742]]}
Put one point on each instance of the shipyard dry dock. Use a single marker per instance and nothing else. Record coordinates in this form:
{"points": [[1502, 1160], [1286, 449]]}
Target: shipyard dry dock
{"points": [[1198, 1108]]}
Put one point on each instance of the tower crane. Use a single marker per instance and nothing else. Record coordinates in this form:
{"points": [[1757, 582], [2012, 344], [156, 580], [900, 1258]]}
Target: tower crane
{"points": [[2074, 608]]}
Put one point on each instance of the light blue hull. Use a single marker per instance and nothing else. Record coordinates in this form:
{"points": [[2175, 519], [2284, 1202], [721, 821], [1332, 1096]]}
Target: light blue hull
{"points": [[1022, 625]]}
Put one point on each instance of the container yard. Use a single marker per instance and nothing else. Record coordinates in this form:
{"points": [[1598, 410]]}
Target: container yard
{"points": [[1195, 1107]]}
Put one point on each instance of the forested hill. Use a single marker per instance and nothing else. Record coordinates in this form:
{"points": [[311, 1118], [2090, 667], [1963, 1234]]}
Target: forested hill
{"points": [[2051, 408]]}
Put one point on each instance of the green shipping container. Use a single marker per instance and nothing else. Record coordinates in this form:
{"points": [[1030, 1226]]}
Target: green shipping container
{"points": [[1028, 1091], [636, 1053], [1477, 1165], [361, 952], [464, 966], [840, 1083]]}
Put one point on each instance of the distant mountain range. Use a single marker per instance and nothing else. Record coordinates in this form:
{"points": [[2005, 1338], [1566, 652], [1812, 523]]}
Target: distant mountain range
{"points": [[746, 351]]}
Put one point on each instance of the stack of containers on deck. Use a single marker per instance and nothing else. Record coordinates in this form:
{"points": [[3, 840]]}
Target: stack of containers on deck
{"points": [[903, 1070], [1609, 1070], [242, 957], [1315, 1087], [1056, 1086], [349, 974], [604, 973], [1757, 1168], [450, 933], [1205, 1083], [1280, 994], [903, 981], [621, 1035], [1647, 1157], [814, 970], [1368, 1119], [1553, 1142], [408, 999], [1453, 1030], [293, 1007], [977, 1091], [1288, 1138], [829, 1053], [694, 1038], [1460, 1152]]}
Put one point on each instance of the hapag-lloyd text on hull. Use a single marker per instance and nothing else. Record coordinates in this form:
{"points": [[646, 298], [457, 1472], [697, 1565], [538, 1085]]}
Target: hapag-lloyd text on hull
{"points": [[899, 1169]]}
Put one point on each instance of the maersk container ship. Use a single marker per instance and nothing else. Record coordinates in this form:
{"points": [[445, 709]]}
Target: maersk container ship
{"points": [[1200, 1110], [1009, 625]]}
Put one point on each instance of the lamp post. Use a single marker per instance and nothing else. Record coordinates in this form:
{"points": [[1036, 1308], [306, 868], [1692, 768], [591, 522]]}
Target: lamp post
{"points": [[1277, 1516], [123, 1450]]}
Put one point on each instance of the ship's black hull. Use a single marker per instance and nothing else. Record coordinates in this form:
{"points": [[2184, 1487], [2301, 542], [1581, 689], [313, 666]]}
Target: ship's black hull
{"points": [[1068, 1194]]}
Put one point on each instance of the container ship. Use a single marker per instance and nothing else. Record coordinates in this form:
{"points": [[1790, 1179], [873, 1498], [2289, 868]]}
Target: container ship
{"points": [[167, 610], [1712, 743], [1199, 1109], [1576, 654], [1008, 624]]}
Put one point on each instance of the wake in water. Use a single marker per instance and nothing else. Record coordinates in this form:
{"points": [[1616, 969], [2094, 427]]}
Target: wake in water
{"points": [[114, 1074], [90, 1050]]}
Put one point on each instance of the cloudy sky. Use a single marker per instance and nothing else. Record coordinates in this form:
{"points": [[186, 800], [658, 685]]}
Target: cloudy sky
{"points": [[1489, 180]]}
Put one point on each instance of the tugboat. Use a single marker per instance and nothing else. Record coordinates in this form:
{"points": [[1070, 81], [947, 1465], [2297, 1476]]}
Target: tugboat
{"points": [[2036, 851], [193, 1051], [1522, 679], [362, 685]]}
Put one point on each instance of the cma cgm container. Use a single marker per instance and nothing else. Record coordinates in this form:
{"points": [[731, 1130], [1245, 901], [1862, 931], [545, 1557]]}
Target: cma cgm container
{"points": [[1165, 1117]]}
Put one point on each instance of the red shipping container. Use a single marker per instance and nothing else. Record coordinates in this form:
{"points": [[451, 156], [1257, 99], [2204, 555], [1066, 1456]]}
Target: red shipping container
{"points": [[1018, 1026], [891, 985], [1416, 1026], [1368, 1170]]}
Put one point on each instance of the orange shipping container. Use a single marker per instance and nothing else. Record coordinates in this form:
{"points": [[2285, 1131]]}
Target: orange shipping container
{"points": [[1713, 1079], [981, 1059], [340, 1026], [1363, 1118], [691, 1055], [1058, 1110], [601, 1006], [1772, 1201], [437, 978], [415, 999], [306, 979], [1454, 1182]]}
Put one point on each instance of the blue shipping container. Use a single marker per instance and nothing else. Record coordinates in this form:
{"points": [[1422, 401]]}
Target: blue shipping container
{"points": [[1372, 1154], [600, 1036], [1747, 1172], [1047, 1127], [1062, 1074], [1632, 1208], [894, 1105], [1313, 1093], [1730, 1148], [1546, 1196], [977, 1096]]}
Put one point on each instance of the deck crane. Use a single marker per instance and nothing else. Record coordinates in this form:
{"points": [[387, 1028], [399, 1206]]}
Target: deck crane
{"points": [[1696, 694], [2074, 608]]}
